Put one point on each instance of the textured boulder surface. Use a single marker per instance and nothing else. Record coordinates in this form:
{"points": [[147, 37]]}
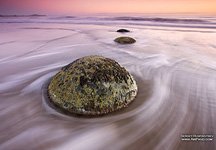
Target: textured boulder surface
{"points": [[92, 85], [123, 30], [125, 40]]}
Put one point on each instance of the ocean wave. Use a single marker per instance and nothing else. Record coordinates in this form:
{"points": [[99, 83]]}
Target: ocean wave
{"points": [[15, 16], [169, 20]]}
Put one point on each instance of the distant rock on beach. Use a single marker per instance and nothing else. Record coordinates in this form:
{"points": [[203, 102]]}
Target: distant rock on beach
{"points": [[125, 40], [123, 30]]}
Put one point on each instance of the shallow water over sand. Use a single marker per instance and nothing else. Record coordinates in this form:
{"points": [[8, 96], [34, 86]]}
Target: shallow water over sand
{"points": [[174, 67]]}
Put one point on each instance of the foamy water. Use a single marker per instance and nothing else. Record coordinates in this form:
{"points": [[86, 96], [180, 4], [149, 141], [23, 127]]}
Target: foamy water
{"points": [[173, 62]]}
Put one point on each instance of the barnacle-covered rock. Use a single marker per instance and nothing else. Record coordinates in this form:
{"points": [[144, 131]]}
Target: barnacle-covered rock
{"points": [[92, 85], [123, 30], [125, 40]]}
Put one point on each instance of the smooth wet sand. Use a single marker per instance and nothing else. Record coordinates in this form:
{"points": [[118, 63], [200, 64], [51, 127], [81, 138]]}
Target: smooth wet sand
{"points": [[175, 70]]}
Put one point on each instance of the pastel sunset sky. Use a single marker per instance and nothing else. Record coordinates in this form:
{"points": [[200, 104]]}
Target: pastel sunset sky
{"points": [[71, 7]]}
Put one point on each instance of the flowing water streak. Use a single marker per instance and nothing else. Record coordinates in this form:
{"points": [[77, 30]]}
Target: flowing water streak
{"points": [[174, 67]]}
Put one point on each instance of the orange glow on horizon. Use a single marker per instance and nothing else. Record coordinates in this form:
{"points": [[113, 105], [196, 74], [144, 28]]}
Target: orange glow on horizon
{"points": [[111, 6]]}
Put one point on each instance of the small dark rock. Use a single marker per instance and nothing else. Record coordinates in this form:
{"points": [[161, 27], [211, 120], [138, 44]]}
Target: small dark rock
{"points": [[125, 40], [123, 30]]}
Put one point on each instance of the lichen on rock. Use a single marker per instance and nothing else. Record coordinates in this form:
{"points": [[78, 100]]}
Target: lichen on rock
{"points": [[92, 85], [125, 40]]}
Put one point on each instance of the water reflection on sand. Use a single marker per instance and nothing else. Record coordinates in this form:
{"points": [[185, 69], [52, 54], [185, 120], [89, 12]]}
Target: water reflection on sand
{"points": [[174, 69]]}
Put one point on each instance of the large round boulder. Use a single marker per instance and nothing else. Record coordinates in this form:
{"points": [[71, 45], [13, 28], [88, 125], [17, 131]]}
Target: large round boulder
{"points": [[92, 85]]}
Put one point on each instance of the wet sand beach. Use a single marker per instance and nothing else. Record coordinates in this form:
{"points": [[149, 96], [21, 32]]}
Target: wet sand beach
{"points": [[173, 63]]}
